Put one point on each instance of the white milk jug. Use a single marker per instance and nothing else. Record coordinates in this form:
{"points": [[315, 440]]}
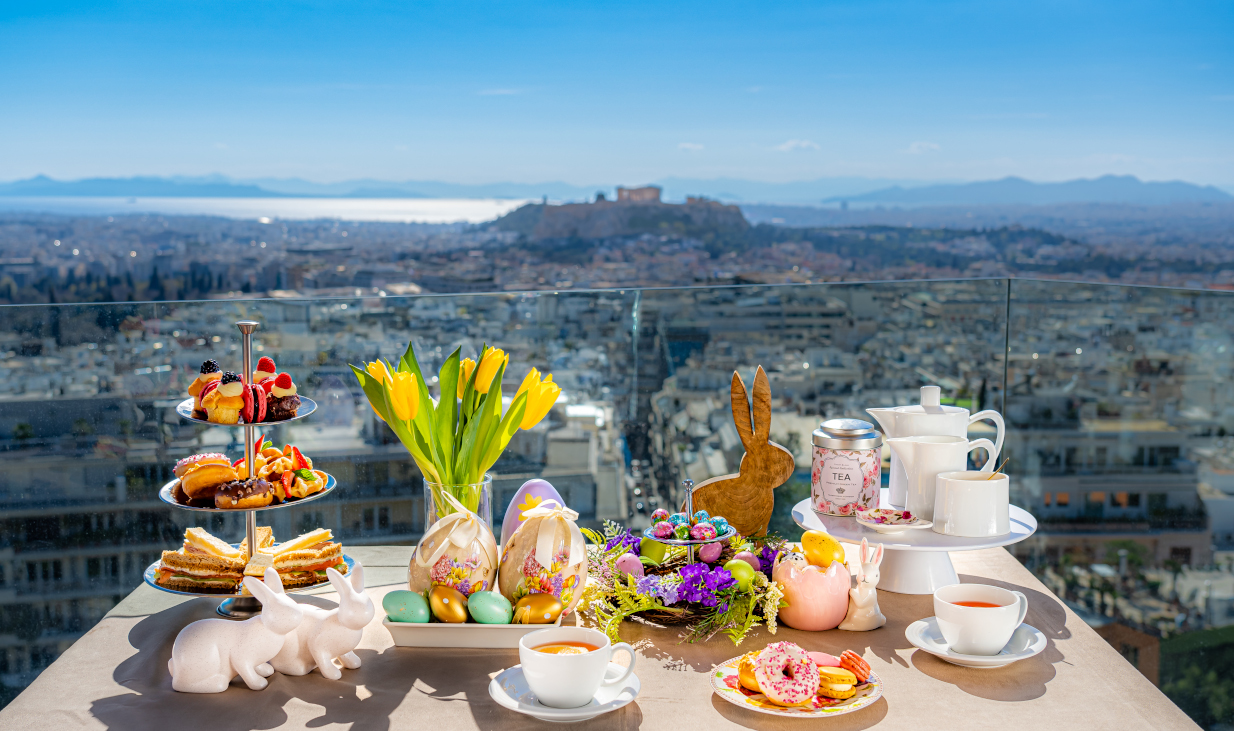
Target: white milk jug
{"points": [[929, 418], [924, 458]]}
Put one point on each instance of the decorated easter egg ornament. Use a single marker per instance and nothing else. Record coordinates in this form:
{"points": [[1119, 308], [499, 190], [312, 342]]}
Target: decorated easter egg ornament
{"points": [[405, 606], [527, 497], [711, 552], [490, 607]]}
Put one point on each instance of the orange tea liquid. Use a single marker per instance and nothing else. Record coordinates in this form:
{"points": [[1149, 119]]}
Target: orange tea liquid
{"points": [[566, 648], [987, 605]]}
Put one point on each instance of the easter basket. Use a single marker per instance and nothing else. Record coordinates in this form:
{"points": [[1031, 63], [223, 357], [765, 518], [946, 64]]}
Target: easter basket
{"points": [[702, 597]]}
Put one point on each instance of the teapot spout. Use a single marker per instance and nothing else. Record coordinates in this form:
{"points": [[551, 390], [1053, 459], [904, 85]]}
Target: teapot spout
{"points": [[886, 419]]}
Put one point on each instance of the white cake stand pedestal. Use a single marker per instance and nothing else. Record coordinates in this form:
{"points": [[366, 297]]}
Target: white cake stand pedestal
{"points": [[915, 561]]}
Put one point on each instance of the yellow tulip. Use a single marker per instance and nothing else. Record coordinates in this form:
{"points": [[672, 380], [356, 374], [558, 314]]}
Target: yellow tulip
{"points": [[492, 359], [464, 374], [541, 395], [404, 396], [377, 370]]}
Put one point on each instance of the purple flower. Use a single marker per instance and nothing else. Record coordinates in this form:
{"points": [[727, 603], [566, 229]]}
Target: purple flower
{"points": [[699, 583], [767, 559], [627, 539], [658, 587]]}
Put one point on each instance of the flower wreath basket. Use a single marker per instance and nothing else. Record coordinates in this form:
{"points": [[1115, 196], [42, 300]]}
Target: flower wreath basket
{"points": [[706, 598]]}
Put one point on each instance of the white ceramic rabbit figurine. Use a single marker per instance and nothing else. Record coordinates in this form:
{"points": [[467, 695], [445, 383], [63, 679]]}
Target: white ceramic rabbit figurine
{"points": [[208, 653], [329, 633], [863, 613]]}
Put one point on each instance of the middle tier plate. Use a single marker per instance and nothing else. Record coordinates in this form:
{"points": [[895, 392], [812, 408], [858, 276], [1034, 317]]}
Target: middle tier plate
{"points": [[166, 496], [151, 572], [691, 542], [307, 406]]}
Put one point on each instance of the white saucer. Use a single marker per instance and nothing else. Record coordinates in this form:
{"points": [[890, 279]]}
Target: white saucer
{"points": [[1025, 642], [510, 690], [893, 528]]}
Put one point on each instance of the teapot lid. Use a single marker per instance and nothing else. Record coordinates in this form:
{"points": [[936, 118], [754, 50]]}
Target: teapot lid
{"points": [[846, 434], [931, 403]]}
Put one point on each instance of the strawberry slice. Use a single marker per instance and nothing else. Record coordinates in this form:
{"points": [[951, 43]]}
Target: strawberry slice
{"points": [[237, 462], [261, 439], [298, 462], [288, 479]]}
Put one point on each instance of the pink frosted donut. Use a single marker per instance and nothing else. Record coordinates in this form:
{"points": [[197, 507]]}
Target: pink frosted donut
{"points": [[786, 674]]}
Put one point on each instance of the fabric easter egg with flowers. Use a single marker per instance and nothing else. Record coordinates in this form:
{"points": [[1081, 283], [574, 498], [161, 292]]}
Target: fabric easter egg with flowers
{"points": [[458, 552], [545, 555]]}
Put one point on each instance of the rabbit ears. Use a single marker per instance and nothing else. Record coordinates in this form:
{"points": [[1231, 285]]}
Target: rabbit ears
{"points": [[353, 583], [267, 591], [761, 408], [874, 556]]}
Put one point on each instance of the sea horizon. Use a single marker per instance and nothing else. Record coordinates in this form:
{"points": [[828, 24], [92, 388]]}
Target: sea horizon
{"points": [[392, 210]]}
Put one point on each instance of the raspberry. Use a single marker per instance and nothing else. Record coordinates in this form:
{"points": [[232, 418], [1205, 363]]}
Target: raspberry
{"points": [[283, 380], [266, 365]]}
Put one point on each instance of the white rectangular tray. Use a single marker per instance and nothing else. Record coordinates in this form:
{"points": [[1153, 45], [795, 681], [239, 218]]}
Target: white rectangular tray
{"points": [[472, 634]]}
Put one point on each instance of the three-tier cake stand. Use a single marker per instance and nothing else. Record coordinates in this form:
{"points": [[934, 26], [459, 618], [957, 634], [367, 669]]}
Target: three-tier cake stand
{"points": [[241, 606]]}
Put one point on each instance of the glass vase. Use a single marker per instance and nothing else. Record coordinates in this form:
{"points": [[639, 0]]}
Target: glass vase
{"points": [[477, 497]]}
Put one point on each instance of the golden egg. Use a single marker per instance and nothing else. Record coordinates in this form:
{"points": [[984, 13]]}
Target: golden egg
{"points": [[745, 672], [537, 609], [449, 605]]}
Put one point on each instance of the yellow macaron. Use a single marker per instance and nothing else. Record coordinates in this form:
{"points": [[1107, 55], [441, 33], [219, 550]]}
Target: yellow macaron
{"points": [[836, 683]]}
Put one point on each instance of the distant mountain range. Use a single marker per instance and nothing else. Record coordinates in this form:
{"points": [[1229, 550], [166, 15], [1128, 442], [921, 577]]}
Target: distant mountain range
{"points": [[857, 191], [1018, 191]]}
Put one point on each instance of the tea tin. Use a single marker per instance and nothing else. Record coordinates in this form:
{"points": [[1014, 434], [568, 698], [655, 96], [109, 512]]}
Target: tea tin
{"points": [[846, 468]]}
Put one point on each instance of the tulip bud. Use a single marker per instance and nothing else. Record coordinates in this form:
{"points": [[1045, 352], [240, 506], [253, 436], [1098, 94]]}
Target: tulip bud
{"points": [[464, 374]]}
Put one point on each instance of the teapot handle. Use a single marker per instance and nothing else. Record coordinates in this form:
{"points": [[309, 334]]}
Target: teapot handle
{"points": [[997, 418], [988, 446]]}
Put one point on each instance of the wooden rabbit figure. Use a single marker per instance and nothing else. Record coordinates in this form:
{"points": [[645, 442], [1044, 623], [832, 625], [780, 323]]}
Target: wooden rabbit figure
{"points": [[208, 653], [746, 498], [863, 613], [326, 634]]}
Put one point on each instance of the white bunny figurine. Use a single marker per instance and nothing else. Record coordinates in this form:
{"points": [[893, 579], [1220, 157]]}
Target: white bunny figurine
{"points": [[863, 613], [208, 653], [329, 633]]}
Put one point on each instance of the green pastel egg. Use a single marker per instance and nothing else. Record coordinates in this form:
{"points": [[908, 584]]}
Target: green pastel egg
{"points": [[405, 606], [489, 607], [653, 550]]}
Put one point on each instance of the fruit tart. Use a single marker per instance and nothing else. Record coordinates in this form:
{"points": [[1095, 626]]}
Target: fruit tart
{"points": [[223, 404], [210, 374]]}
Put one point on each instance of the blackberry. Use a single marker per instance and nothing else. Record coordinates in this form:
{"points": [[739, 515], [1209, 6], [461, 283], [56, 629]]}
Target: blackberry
{"points": [[230, 377], [210, 366]]}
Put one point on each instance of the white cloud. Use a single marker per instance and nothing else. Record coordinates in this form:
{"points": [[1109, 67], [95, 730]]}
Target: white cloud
{"points": [[920, 148], [792, 145], [691, 146], [499, 92]]}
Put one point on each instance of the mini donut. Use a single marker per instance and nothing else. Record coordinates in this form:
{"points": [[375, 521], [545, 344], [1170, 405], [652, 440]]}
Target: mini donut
{"points": [[786, 674], [202, 481], [244, 495], [836, 683], [853, 663], [745, 672], [199, 459]]}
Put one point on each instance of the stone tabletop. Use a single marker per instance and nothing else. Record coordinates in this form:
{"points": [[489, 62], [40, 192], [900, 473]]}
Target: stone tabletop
{"points": [[115, 677]]}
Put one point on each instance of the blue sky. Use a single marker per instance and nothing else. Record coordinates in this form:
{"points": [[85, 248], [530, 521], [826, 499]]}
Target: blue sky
{"points": [[618, 92]]}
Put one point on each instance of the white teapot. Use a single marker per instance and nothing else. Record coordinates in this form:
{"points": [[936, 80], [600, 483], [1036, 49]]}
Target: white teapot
{"points": [[928, 419]]}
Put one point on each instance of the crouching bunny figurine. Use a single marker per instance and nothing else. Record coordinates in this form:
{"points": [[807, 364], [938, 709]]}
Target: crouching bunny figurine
{"points": [[326, 634], [208, 653], [863, 613]]}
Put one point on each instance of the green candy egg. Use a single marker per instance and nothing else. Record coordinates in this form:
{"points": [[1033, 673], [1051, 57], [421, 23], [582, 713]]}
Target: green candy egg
{"points": [[405, 606], [489, 607]]}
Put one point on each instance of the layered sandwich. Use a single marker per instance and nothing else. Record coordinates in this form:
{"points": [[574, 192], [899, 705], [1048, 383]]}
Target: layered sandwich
{"points": [[203, 564], [301, 561]]}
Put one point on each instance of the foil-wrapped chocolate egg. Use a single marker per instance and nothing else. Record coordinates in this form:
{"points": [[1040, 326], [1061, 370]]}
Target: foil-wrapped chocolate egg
{"points": [[721, 525], [679, 519], [663, 529], [537, 609], [701, 516], [703, 532], [658, 514], [448, 605], [682, 532]]}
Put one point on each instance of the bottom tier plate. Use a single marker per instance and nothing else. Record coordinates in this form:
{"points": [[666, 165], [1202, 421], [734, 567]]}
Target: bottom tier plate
{"points": [[152, 569]]}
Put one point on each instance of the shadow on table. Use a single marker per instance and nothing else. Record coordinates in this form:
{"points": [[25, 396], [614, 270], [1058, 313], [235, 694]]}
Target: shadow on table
{"points": [[153, 704], [869, 716], [1024, 680]]}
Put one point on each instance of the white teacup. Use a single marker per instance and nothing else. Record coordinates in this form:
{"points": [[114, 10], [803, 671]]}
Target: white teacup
{"points": [[971, 504], [979, 630], [569, 681]]}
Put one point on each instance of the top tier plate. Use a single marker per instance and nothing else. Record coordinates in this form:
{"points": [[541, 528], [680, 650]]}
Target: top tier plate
{"points": [[307, 406]]}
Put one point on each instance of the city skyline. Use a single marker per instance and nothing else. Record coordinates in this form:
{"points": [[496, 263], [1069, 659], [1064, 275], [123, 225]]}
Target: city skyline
{"points": [[533, 92]]}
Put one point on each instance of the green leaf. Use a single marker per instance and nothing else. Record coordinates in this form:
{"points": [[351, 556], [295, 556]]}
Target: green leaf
{"points": [[509, 426], [306, 475], [446, 413], [374, 391]]}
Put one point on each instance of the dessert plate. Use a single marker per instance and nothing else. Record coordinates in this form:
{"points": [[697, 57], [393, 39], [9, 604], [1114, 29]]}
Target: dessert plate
{"points": [[510, 690], [690, 541], [893, 521], [307, 406], [151, 573], [724, 683], [165, 494], [1025, 642]]}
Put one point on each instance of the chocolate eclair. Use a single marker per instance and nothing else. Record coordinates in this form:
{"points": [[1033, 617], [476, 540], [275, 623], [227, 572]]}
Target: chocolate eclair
{"points": [[244, 494]]}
